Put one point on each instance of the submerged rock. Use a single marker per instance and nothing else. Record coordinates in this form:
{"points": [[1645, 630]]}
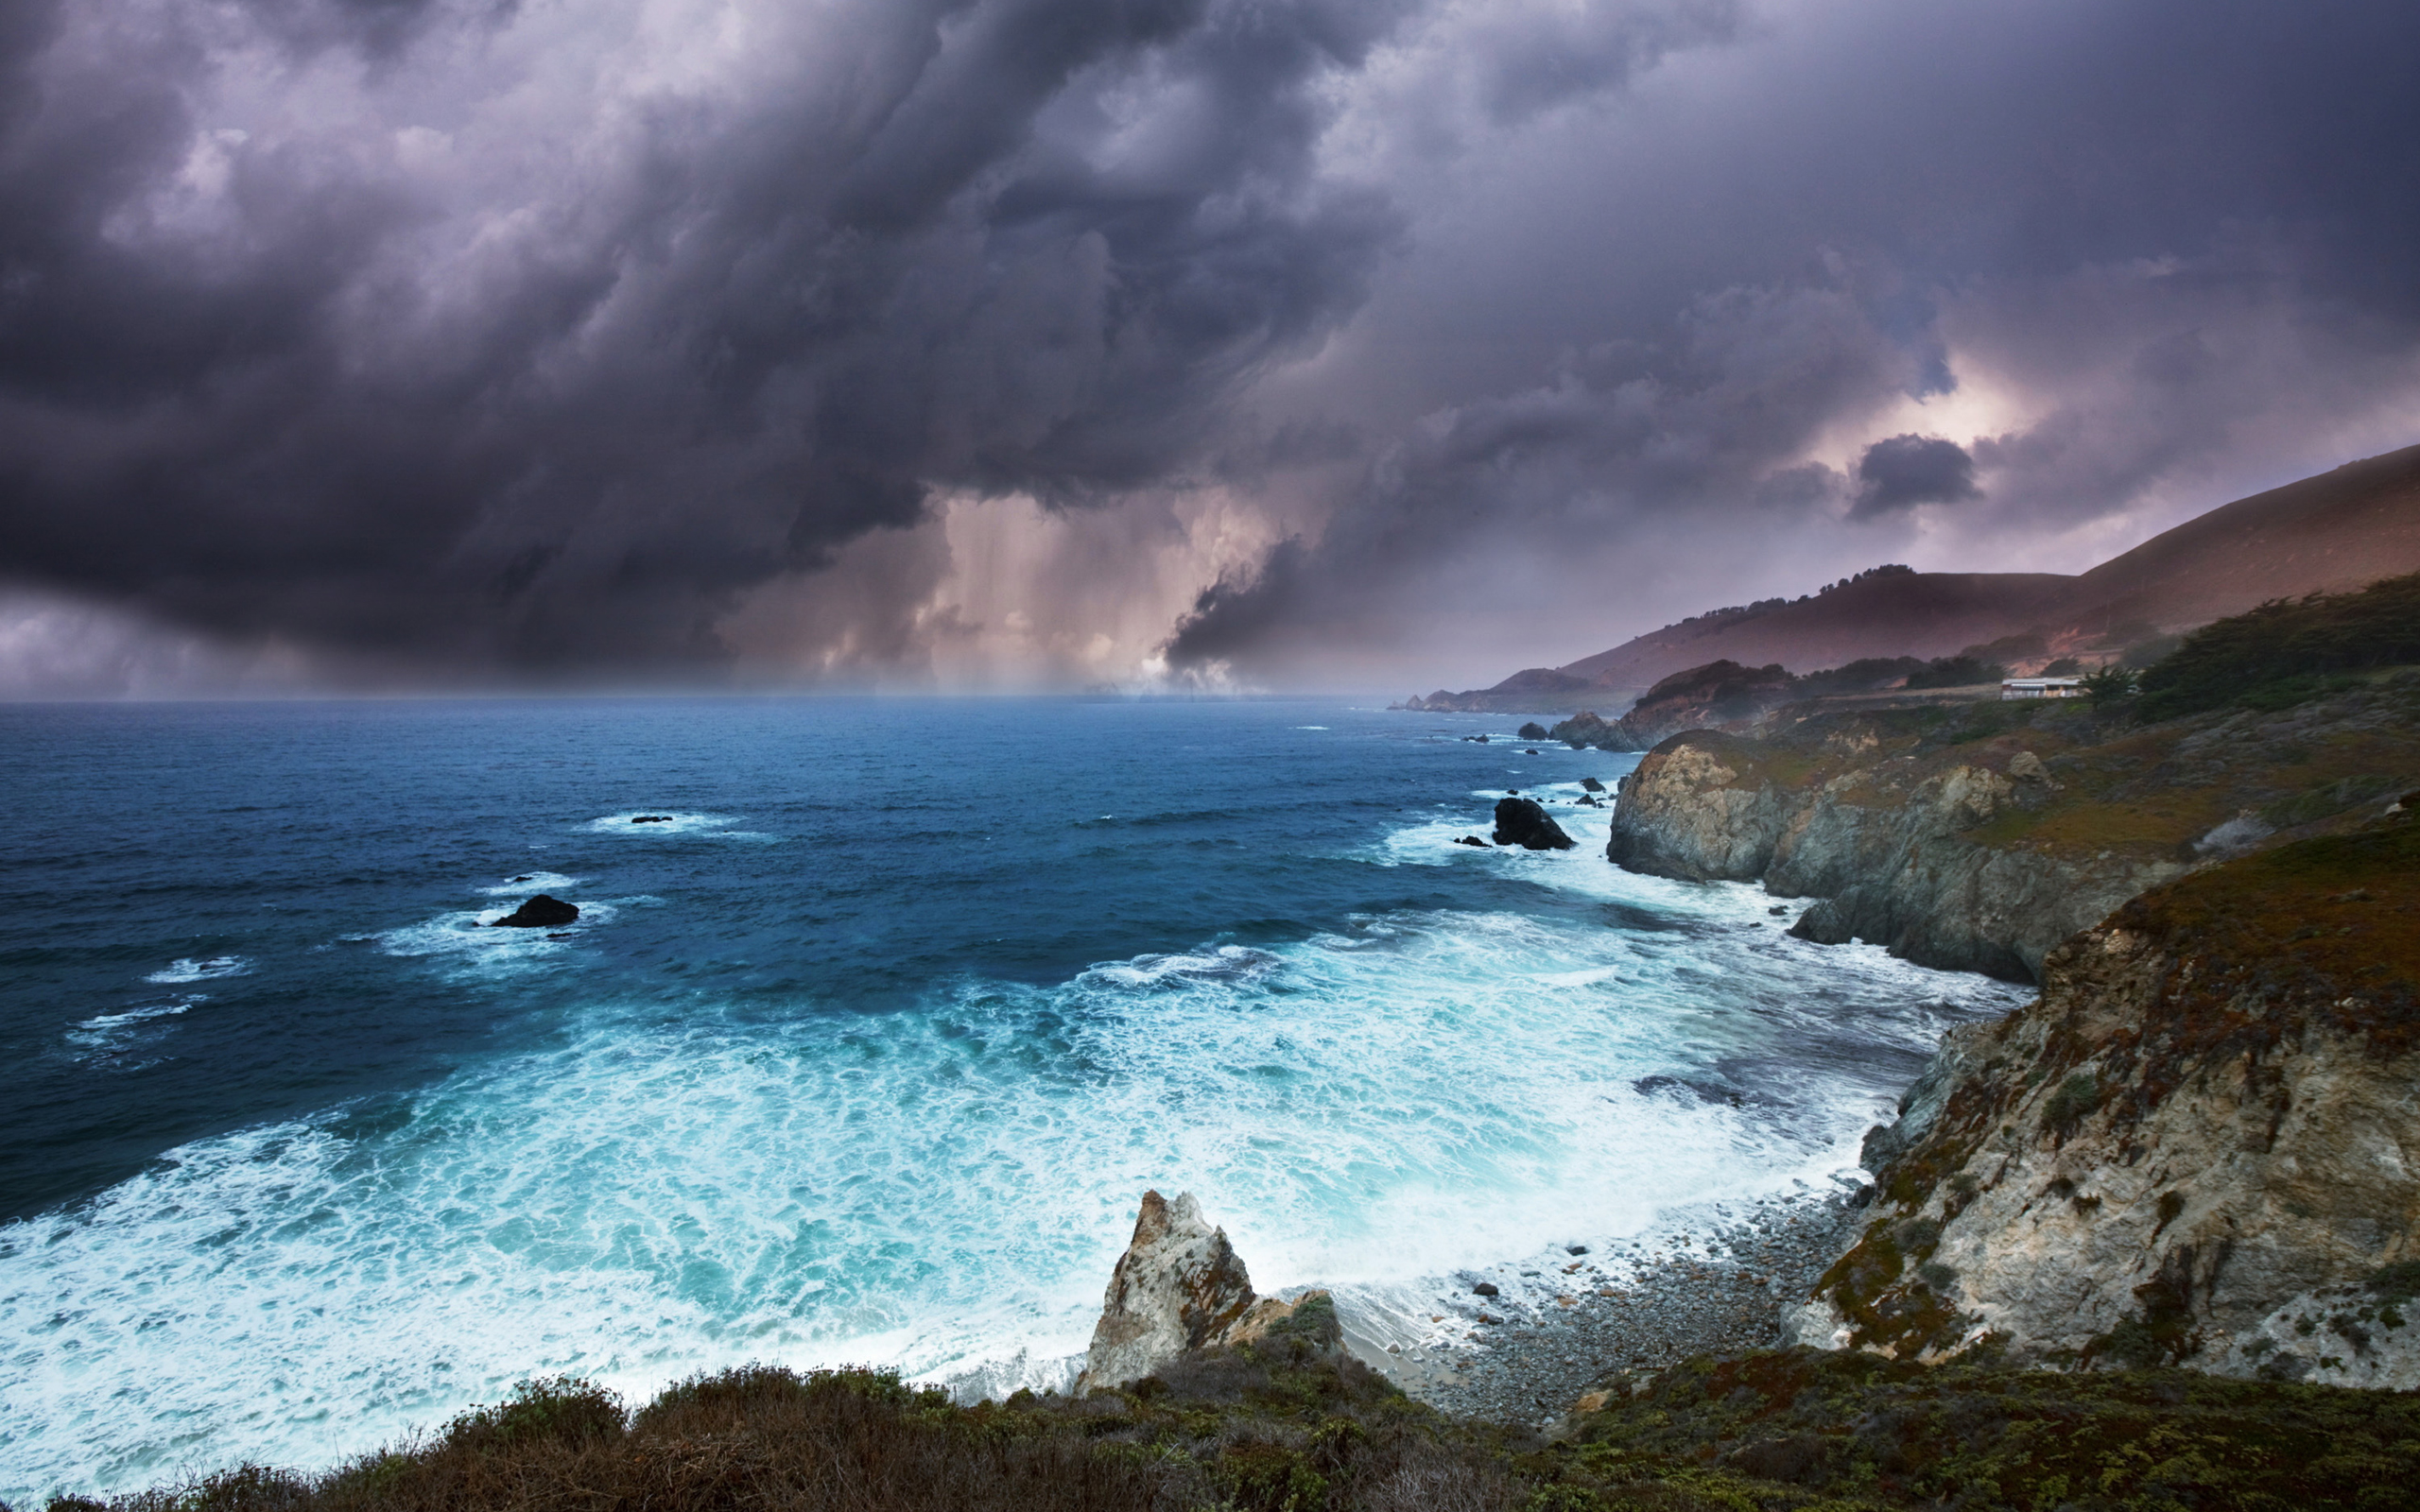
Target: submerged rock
{"points": [[540, 912], [1179, 1286], [1521, 821]]}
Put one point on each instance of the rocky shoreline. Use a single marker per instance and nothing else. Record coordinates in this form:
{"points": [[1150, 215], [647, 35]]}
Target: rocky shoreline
{"points": [[1718, 1286]]}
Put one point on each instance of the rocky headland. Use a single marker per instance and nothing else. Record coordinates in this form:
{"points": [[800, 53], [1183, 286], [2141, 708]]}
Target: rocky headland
{"points": [[1978, 835]]}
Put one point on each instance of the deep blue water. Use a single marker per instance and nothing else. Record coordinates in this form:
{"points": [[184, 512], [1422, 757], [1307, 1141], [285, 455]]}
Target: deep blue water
{"points": [[865, 1056]]}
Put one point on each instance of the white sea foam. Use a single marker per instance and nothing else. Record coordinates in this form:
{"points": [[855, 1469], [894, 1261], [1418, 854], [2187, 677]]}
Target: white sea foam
{"points": [[182, 971], [108, 1039], [529, 884], [663, 822], [468, 939], [1408, 1097]]}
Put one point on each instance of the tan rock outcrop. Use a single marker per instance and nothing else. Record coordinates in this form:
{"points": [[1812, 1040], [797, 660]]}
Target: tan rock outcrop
{"points": [[1179, 1286]]}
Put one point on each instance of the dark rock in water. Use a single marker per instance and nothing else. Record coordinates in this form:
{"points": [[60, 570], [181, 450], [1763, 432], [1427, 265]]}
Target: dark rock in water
{"points": [[1532, 730], [510, 881], [1824, 923], [1472, 840], [1575, 1250], [653, 818], [540, 912], [1588, 802], [1476, 740], [1512, 790], [1778, 909], [1591, 784], [1520, 821], [1484, 1289]]}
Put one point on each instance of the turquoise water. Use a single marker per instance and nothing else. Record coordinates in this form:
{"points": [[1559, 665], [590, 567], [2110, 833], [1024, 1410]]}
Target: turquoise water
{"points": [[864, 1057]]}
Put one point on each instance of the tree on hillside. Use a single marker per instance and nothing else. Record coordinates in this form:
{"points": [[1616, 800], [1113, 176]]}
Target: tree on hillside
{"points": [[2110, 685], [2285, 647]]}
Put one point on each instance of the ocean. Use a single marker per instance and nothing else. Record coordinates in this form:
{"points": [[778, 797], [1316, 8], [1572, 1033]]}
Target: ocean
{"points": [[864, 1055]]}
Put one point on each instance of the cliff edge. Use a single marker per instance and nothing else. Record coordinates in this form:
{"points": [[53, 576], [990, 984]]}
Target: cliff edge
{"points": [[2200, 1147]]}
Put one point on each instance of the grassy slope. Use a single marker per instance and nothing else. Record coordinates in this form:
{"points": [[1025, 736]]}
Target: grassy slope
{"points": [[2146, 791]]}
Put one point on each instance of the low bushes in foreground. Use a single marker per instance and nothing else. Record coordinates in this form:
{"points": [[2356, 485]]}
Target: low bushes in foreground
{"points": [[1292, 1427]]}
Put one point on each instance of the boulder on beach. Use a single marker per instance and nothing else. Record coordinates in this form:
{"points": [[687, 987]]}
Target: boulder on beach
{"points": [[1521, 821], [540, 912]]}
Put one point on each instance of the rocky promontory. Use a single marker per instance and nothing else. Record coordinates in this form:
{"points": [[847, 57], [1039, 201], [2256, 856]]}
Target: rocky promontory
{"points": [[2200, 1146], [1979, 836]]}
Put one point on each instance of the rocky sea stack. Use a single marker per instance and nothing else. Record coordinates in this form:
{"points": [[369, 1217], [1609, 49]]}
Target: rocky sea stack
{"points": [[1179, 1288], [1523, 822], [540, 912]]}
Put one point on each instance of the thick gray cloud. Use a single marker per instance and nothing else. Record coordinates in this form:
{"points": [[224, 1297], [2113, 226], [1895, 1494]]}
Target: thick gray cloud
{"points": [[1974, 287], [1901, 472], [365, 324], [484, 338]]}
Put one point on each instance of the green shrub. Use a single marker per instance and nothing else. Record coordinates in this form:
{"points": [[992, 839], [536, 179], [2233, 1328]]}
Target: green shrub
{"points": [[1956, 672], [2071, 1103], [562, 1409]]}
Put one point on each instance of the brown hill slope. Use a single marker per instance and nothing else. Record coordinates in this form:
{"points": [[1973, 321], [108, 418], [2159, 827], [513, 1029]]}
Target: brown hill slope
{"points": [[2335, 531], [2326, 534]]}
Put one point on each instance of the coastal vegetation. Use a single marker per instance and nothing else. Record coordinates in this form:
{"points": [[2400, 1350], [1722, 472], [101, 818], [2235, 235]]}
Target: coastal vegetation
{"points": [[1291, 1425], [2286, 651]]}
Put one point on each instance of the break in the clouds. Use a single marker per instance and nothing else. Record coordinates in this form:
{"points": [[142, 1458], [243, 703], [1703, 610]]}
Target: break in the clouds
{"points": [[1015, 340]]}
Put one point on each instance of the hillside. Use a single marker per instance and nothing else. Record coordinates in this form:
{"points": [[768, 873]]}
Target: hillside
{"points": [[2326, 534], [2338, 530]]}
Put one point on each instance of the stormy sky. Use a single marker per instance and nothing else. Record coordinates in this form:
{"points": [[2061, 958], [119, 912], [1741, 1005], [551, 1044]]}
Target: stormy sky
{"points": [[1372, 344]]}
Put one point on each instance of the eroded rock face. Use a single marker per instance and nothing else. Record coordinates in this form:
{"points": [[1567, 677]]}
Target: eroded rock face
{"points": [[1884, 847], [2200, 1147], [1686, 812], [1179, 1286], [1524, 822]]}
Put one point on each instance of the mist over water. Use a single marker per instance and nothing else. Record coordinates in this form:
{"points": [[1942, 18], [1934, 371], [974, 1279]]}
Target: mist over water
{"points": [[865, 1056]]}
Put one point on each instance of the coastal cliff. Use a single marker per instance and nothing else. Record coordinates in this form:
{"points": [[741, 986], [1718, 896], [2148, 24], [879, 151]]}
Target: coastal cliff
{"points": [[2200, 1147], [1979, 836]]}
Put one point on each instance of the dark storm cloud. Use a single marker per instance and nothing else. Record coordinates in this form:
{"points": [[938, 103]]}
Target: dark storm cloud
{"points": [[264, 378], [471, 334], [1901, 472], [2164, 231]]}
